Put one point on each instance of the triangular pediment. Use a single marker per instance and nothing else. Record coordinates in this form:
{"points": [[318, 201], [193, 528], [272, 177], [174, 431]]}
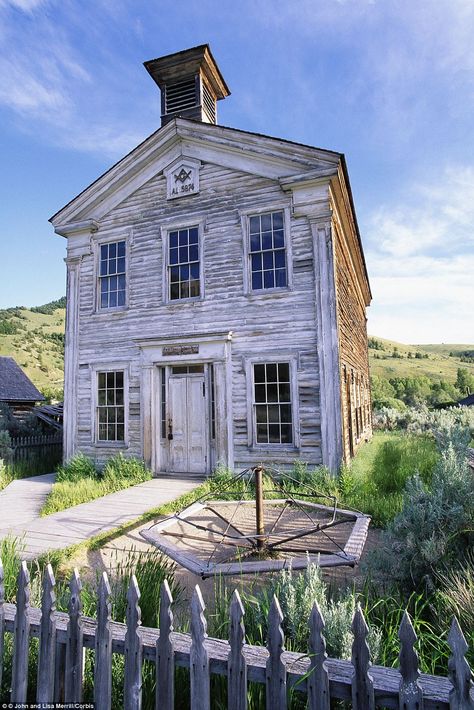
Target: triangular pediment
{"points": [[182, 144]]}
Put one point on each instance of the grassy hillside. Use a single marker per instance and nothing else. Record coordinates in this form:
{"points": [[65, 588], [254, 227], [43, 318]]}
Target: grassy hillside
{"points": [[35, 338], [433, 361]]}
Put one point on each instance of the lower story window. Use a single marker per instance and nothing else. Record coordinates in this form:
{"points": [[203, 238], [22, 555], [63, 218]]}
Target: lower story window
{"points": [[272, 403], [110, 406]]}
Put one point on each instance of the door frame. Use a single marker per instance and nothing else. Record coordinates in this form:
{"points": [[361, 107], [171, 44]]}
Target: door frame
{"points": [[186, 349]]}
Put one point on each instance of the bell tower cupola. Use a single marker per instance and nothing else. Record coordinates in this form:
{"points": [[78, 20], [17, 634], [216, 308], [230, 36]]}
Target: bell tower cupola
{"points": [[190, 84]]}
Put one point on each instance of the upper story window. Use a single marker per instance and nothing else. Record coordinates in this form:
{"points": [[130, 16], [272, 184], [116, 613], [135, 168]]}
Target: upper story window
{"points": [[112, 271], [110, 406], [184, 269], [267, 251]]}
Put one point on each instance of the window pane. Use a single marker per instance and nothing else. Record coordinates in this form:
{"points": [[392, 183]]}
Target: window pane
{"points": [[173, 239], [279, 259], [284, 372], [121, 249], [110, 380], [173, 256], [193, 253], [195, 271], [185, 289], [104, 251], [271, 372], [254, 225], [284, 392], [285, 413], [268, 279], [121, 265], [174, 274], [268, 260], [274, 413], [184, 273], [194, 289], [286, 434], [113, 299], [256, 262], [183, 237], [262, 433], [183, 254], [280, 277], [267, 241], [174, 291], [257, 280], [103, 301], [274, 433], [259, 373], [120, 432], [103, 268], [255, 243], [260, 393], [193, 235], [101, 380], [110, 397], [266, 222], [278, 239], [277, 220], [272, 393]]}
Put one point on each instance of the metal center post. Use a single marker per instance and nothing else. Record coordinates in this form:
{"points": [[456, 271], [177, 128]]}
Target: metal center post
{"points": [[260, 525]]}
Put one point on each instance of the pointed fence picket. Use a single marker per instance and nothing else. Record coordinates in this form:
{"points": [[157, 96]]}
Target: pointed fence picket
{"points": [[321, 678]]}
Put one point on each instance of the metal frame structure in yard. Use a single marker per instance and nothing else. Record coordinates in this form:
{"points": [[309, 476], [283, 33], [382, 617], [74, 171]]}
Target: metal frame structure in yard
{"points": [[63, 637]]}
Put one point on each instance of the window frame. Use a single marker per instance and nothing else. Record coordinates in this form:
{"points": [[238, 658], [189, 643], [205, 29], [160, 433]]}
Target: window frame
{"points": [[277, 358], [97, 246], [165, 232], [106, 367], [245, 216]]}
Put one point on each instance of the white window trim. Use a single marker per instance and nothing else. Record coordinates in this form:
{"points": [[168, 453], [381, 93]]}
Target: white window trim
{"points": [[118, 366], [96, 244], [278, 357], [245, 222], [188, 223]]}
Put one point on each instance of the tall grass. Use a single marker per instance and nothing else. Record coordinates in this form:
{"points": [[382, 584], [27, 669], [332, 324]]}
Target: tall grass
{"points": [[80, 481]]}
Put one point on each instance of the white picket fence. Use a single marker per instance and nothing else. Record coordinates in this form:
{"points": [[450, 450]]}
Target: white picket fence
{"points": [[63, 638]]}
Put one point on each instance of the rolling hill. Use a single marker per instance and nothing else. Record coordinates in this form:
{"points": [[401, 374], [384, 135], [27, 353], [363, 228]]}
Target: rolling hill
{"points": [[35, 338]]}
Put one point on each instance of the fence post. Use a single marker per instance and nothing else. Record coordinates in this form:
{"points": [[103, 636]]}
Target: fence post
{"points": [[47, 642], [74, 643], [411, 693], [165, 653], [275, 668], [198, 657], [132, 687], [363, 697], [460, 697], [236, 663], [103, 648], [2, 620], [21, 637], [318, 678]]}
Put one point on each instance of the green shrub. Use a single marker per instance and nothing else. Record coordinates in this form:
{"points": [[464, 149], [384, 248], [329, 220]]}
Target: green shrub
{"points": [[435, 527], [76, 469], [124, 469]]}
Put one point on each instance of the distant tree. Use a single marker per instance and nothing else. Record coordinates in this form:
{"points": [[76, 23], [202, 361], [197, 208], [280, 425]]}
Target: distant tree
{"points": [[464, 381]]}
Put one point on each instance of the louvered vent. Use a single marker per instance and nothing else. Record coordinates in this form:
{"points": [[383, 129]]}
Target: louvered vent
{"points": [[209, 103], [180, 96]]}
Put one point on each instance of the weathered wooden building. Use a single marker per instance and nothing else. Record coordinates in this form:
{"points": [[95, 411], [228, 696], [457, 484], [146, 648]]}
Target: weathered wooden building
{"points": [[16, 389], [216, 295]]}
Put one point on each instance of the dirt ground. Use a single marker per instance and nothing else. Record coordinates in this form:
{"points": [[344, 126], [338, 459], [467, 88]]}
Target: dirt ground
{"points": [[92, 563]]}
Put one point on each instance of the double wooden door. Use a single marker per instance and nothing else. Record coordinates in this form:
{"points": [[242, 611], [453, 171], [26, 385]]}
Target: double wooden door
{"points": [[188, 450]]}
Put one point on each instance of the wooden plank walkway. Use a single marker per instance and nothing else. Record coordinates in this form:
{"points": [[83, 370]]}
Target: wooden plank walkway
{"points": [[77, 524], [22, 500]]}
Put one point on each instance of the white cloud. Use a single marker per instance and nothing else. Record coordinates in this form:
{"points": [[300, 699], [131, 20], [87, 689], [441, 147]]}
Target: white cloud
{"points": [[421, 260]]}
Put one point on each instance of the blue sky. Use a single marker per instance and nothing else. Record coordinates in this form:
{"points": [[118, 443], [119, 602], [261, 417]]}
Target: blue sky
{"points": [[388, 82]]}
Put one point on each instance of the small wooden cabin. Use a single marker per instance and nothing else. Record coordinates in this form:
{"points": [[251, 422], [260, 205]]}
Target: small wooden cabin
{"points": [[216, 295], [16, 389]]}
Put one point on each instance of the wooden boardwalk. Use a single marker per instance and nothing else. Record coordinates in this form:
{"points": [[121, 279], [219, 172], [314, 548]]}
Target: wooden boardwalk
{"points": [[77, 524], [22, 500]]}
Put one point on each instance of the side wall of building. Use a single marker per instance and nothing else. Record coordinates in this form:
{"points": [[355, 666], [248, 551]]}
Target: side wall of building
{"points": [[353, 348]]}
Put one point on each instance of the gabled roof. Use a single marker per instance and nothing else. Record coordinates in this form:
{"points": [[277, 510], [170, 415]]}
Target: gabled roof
{"points": [[15, 386]]}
